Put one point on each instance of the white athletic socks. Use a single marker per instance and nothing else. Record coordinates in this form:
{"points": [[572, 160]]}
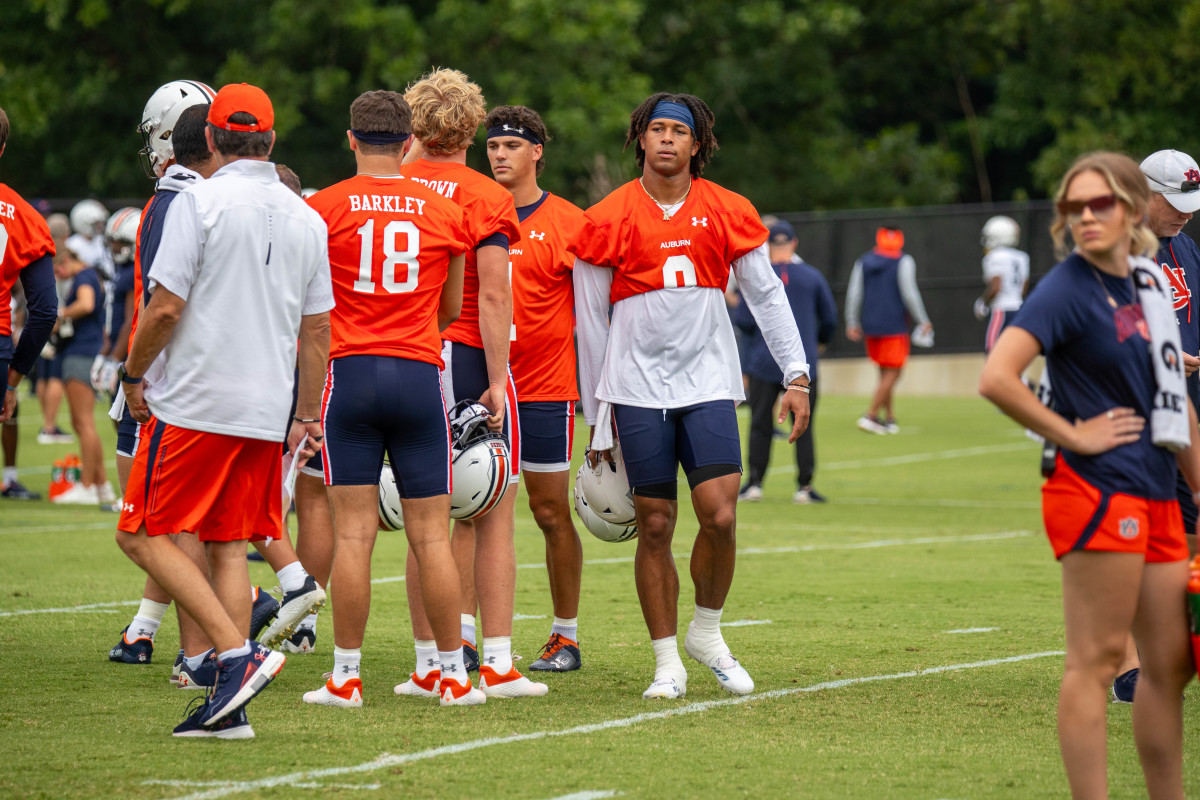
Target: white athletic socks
{"points": [[10, 476], [667, 662], [309, 623], [345, 665], [236, 652], [452, 665], [566, 628], [291, 577], [468, 628], [427, 657], [146, 621], [194, 662], [497, 654], [704, 633]]}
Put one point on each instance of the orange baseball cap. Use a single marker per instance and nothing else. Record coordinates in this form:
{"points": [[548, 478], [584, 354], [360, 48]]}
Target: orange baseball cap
{"points": [[243, 98]]}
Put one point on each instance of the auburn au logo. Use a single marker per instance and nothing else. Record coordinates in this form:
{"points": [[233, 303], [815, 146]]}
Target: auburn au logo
{"points": [[1181, 294]]}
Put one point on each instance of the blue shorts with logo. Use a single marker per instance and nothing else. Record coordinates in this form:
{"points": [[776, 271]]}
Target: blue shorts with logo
{"points": [[655, 442], [547, 430], [466, 378], [374, 404], [129, 434]]}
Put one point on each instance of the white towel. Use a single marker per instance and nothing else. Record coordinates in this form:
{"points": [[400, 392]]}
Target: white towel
{"points": [[602, 438], [1169, 417], [118, 407]]}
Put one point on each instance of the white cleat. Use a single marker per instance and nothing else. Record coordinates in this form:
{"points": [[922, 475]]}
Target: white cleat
{"points": [[667, 687], [458, 694], [429, 686], [730, 674], [512, 684], [348, 696]]}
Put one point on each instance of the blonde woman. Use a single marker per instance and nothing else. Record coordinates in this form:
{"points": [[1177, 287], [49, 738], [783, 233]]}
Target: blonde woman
{"points": [[1109, 507]]}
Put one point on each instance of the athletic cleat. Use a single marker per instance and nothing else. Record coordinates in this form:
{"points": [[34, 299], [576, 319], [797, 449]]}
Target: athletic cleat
{"points": [[265, 607], [666, 687], [802, 497], [891, 427], [239, 680], [560, 654], [295, 607], [750, 494], [730, 674], [454, 693], [202, 677], [139, 651], [235, 726], [347, 696], [814, 496], [174, 679], [421, 687], [1125, 684], [470, 657], [871, 424], [15, 491], [303, 640], [512, 684], [54, 436]]}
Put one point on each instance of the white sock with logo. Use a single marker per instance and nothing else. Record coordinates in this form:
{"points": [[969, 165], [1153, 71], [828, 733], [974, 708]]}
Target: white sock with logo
{"points": [[497, 654], [345, 665], [452, 666], [427, 657], [146, 621]]}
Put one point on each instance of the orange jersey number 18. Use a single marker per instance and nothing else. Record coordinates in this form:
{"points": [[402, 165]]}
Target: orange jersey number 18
{"points": [[393, 255]]}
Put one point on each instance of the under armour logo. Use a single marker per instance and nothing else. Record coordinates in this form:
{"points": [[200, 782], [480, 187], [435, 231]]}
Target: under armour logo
{"points": [[431, 662], [536, 235], [700, 221], [261, 655], [347, 669], [490, 659], [127, 507], [450, 668], [514, 130]]}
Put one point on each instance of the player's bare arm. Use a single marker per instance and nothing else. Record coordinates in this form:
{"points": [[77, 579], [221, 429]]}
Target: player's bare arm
{"points": [[314, 360], [450, 306], [495, 325]]}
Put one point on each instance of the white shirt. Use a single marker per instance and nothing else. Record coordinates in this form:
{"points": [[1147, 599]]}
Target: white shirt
{"points": [[675, 347], [250, 258], [1012, 268]]}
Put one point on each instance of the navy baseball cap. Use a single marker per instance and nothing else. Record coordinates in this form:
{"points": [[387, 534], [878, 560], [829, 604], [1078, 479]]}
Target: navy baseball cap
{"points": [[782, 232]]}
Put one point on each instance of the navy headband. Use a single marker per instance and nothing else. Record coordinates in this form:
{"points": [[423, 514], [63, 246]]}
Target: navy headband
{"points": [[676, 111], [379, 137], [520, 131]]}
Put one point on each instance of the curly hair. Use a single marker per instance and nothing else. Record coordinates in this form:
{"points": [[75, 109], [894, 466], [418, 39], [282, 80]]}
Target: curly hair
{"points": [[1128, 183], [524, 117], [639, 121], [3, 128], [447, 110]]}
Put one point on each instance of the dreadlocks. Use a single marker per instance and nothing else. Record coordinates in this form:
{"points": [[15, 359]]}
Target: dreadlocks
{"points": [[639, 121]]}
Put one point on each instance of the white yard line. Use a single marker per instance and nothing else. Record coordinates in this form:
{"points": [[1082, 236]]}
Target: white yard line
{"points": [[92, 607], [387, 760], [972, 630], [600, 795]]}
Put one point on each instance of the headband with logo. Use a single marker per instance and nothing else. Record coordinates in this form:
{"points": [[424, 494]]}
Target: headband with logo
{"points": [[520, 131]]}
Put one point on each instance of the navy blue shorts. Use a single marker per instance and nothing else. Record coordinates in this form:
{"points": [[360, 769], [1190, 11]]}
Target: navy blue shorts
{"points": [[1187, 506], [466, 378], [313, 466], [547, 434], [129, 434], [378, 403], [48, 368], [655, 442]]}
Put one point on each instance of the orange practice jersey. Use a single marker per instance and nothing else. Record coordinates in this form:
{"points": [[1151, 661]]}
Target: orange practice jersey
{"points": [[138, 288], [542, 354], [626, 231], [390, 243], [489, 209], [24, 238]]}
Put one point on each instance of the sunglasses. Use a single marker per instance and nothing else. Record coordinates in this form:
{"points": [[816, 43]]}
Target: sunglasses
{"points": [[1101, 207]]}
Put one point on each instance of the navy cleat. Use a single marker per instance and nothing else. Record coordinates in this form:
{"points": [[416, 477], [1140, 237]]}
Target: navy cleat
{"points": [[560, 654], [304, 640], [15, 491], [1124, 685], [470, 657], [295, 607], [202, 677], [176, 667], [239, 679], [139, 651], [235, 726], [265, 607]]}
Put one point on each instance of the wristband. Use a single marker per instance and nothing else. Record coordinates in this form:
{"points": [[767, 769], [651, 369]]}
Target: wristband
{"points": [[797, 387], [11, 388], [305, 421], [125, 377]]}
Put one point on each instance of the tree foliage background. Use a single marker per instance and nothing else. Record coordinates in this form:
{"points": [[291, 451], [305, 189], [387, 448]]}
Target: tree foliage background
{"points": [[820, 103]]}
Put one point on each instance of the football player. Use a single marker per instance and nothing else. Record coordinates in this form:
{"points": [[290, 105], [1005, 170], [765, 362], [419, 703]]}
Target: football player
{"points": [[1006, 274], [396, 252], [447, 111], [542, 359], [657, 254]]}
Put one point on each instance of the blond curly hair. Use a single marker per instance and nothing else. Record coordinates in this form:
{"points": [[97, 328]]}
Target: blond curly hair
{"points": [[447, 110], [1128, 183]]}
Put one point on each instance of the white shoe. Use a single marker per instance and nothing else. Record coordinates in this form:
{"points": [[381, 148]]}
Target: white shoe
{"points": [[458, 694], [871, 425], [891, 427], [729, 673], [801, 497], [347, 696], [105, 494], [79, 495], [667, 687], [751, 494], [511, 684], [429, 686]]}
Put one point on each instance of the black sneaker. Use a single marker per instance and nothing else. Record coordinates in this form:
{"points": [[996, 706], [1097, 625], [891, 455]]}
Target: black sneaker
{"points": [[137, 652], [560, 654], [304, 640], [239, 679], [1124, 686], [295, 607], [813, 495], [15, 491], [235, 726], [470, 657], [265, 607], [202, 677]]}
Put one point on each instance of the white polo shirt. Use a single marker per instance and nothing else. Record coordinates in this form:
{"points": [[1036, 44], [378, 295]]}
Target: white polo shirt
{"points": [[250, 258]]}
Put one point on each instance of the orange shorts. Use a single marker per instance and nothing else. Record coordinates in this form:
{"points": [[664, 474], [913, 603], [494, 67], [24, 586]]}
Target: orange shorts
{"points": [[222, 488], [1078, 516], [888, 351]]}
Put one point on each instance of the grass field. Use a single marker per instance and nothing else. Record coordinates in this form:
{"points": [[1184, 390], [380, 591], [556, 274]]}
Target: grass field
{"points": [[905, 640]]}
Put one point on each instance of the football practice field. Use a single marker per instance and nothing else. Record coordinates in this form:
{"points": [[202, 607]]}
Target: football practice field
{"points": [[905, 638]]}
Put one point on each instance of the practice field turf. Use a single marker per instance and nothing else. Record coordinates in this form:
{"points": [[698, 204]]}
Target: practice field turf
{"points": [[905, 640]]}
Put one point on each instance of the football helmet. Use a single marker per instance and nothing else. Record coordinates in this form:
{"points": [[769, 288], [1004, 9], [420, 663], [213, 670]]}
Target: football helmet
{"points": [[606, 489], [601, 528], [120, 233], [1000, 232], [391, 515], [88, 218], [159, 118], [481, 461]]}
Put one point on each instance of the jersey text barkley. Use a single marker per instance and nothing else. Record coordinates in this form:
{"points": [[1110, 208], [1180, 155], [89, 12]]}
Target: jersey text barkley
{"points": [[396, 204]]}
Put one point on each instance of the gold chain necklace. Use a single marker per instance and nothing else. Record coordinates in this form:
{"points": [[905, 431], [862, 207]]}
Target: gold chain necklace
{"points": [[665, 207], [1104, 288]]}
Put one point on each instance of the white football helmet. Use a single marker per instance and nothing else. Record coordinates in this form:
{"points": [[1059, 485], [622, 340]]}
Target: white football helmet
{"points": [[481, 462], [159, 118], [88, 218], [1000, 232], [601, 528], [120, 233], [391, 515], [606, 489]]}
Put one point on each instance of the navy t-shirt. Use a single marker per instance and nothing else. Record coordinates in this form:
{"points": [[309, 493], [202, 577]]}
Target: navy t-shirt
{"points": [[816, 316], [89, 329], [1094, 367], [121, 287], [1180, 262]]}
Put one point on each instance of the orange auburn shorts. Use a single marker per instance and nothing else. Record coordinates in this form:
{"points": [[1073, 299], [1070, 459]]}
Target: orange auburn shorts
{"points": [[222, 488], [1079, 516], [888, 351]]}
